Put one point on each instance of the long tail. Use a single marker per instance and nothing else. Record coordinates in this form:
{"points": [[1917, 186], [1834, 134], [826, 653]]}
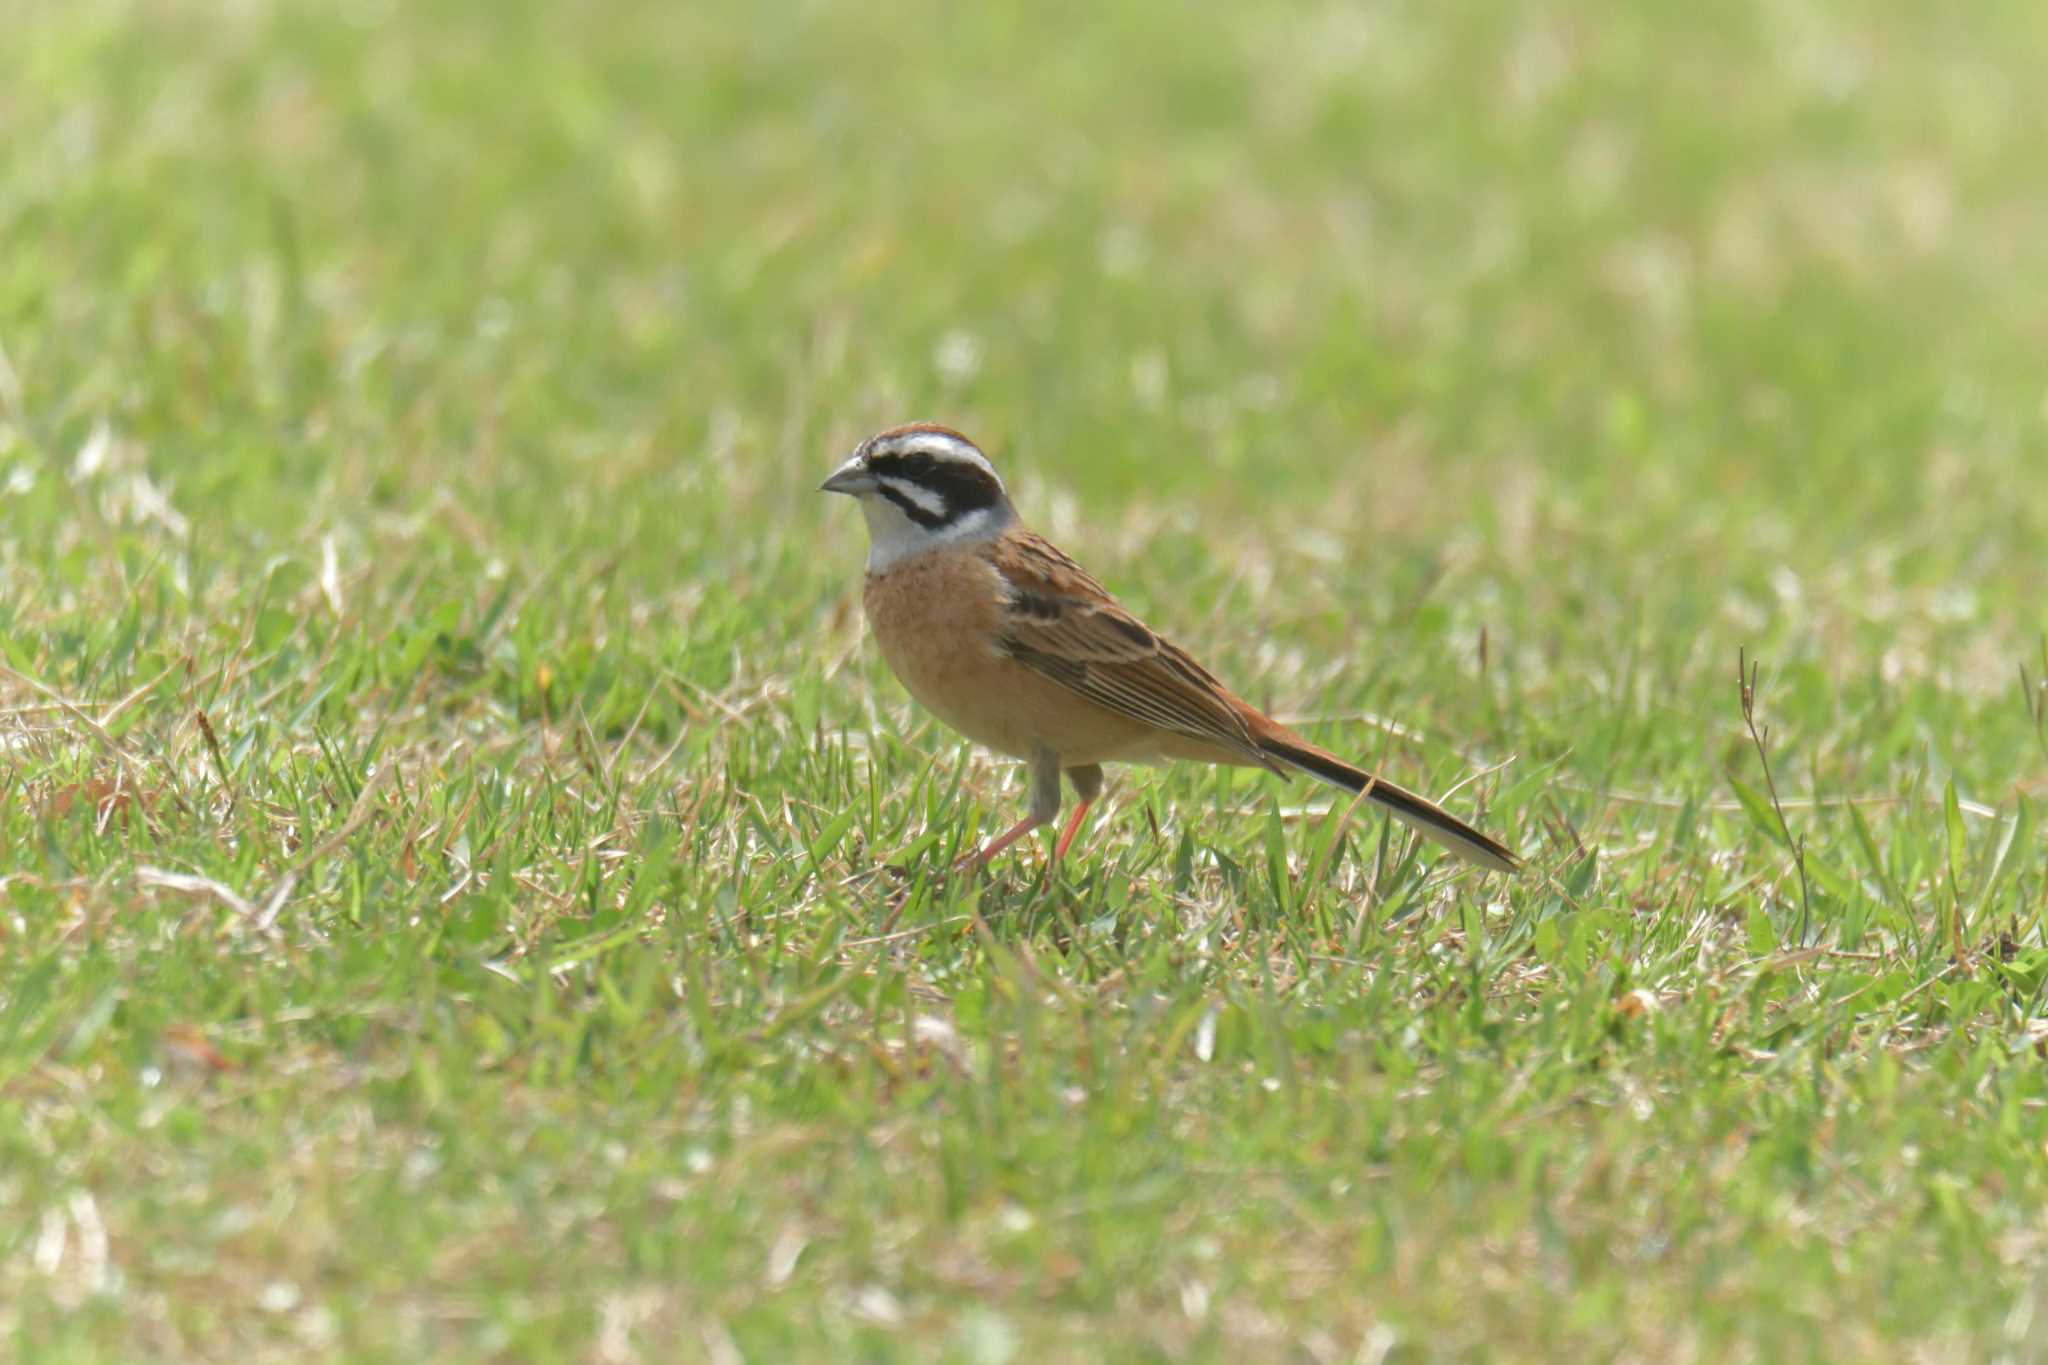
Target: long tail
{"points": [[1426, 816]]}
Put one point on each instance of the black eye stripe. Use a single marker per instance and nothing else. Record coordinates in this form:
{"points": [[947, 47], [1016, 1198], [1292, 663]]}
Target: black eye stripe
{"points": [[961, 486]]}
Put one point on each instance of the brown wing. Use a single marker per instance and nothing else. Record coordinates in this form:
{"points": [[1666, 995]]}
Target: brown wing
{"points": [[1064, 624]]}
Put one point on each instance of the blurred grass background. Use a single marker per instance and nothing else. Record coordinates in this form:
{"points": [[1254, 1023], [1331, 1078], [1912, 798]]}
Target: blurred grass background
{"points": [[430, 397]]}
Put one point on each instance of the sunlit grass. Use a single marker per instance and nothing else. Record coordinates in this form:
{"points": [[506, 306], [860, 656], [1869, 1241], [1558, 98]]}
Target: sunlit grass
{"points": [[472, 891]]}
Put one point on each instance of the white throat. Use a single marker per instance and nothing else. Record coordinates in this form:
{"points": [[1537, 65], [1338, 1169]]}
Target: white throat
{"points": [[893, 537]]}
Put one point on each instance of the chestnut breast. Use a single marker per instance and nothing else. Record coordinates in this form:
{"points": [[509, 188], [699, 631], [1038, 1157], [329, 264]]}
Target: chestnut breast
{"points": [[937, 617]]}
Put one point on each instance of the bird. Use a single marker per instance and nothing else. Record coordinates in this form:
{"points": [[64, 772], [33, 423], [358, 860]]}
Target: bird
{"points": [[1002, 636]]}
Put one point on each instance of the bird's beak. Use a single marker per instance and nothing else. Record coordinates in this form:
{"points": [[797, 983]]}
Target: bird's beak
{"points": [[850, 478]]}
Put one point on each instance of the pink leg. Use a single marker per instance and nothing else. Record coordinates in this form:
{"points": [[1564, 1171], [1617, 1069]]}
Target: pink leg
{"points": [[1073, 828], [995, 846], [1045, 804]]}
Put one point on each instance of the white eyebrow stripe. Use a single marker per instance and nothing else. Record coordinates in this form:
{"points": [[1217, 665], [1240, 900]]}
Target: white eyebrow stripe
{"points": [[930, 502], [938, 446]]}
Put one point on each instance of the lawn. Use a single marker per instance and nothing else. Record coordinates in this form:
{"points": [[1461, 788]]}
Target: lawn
{"points": [[472, 892]]}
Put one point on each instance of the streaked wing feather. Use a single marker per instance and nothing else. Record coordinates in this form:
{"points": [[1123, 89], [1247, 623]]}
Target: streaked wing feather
{"points": [[1064, 624]]}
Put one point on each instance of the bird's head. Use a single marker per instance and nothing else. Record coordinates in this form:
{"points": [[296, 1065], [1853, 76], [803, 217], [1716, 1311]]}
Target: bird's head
{"points": [[921, 486]]}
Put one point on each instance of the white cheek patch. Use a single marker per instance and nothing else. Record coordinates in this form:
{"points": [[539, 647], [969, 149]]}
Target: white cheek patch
{"points": [[927, 501], [979, 524]]}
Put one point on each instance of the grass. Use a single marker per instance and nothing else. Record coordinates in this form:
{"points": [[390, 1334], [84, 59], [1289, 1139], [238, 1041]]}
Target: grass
{"points": [[444, 776]]}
